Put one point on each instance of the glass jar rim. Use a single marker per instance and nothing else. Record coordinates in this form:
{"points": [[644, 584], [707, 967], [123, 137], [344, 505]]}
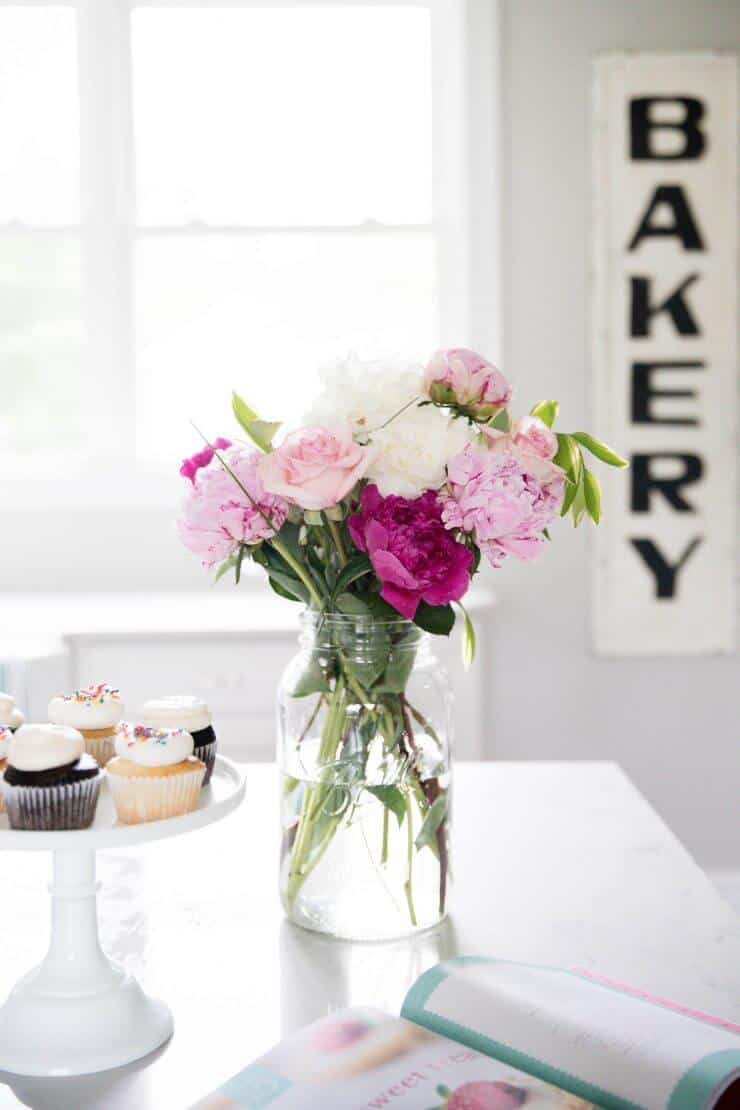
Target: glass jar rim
{"points": [[314, 618]]}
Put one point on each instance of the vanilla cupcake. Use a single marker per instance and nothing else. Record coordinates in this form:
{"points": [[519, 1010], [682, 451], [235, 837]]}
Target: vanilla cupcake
{"points": [[49, 782], [10, 714], [154, 773], [190, 713], [96, 712], [5, 735]]}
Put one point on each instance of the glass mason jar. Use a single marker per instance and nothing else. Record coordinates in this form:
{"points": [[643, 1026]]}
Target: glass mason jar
{"points": [[364, 764]]}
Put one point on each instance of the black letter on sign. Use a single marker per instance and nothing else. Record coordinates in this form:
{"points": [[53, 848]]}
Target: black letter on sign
{"points": [[643, 392], [641, 126], [644, 483], [665, 572], [683, 224], [642, 311]]}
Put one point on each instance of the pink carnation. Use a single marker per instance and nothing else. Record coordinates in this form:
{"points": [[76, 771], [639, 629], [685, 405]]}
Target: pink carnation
{"points": [[218, 516], [412, 554], [504, 499], [465, 378], [315, 467]]}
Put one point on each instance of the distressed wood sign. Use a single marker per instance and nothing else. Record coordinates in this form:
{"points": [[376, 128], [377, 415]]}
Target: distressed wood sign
{"points": [[664, 328]]}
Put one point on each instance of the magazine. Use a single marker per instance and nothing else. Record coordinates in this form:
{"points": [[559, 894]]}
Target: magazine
{"points": [[485, 1034]]}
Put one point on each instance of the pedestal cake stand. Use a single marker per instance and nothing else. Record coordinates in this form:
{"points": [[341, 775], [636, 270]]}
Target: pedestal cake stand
{"points": [[77, 1012]]}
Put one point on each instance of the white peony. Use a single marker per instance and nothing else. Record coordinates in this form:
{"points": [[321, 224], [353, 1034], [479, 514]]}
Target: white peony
{"points": [[414, 450], [414, 444]]}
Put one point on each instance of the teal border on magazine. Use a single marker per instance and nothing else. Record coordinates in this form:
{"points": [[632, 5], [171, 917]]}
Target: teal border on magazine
{"points": [[689, 1093]]}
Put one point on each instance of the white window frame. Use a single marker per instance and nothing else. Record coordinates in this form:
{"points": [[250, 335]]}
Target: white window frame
{"points": [[465, 129]]}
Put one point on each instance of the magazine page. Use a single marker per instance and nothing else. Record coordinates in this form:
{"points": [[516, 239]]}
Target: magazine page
{"points": [[363, 1059], [608, 1043]]}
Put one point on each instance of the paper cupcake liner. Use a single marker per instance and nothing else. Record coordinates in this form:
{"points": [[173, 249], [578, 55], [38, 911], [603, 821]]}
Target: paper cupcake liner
{"points": [[52, 808], [101, 748], [207, 753], [154, 799]]}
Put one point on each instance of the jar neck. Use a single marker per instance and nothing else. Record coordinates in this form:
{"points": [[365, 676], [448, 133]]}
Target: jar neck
{"points": [[358, 636]]}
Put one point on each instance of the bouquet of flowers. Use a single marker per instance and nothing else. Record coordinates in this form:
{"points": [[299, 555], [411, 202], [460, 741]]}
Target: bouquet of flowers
{"points": [[380, 509]]}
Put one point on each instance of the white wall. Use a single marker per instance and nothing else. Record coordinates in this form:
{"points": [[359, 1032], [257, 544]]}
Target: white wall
{"points": [[673, 725]]}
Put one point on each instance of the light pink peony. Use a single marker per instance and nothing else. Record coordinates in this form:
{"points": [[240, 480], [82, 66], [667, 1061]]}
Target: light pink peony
{"points": [[464, 378], [503, 498], [218, 516], [315, 467], [530, 435]]}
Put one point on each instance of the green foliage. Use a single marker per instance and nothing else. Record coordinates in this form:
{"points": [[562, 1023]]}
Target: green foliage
{"points": [[501, 421], [226, 566], [437, 619], [600, 450], [392, 798], [592, 495], [468, 637], [434, 818], [313, 680], [261, 432], [357, 566], [546, 411]]}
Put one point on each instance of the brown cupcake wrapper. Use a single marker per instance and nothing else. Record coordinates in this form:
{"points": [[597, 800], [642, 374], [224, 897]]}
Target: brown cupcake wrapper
{"points": [[52, 808], [207, 753], [142, 799]]}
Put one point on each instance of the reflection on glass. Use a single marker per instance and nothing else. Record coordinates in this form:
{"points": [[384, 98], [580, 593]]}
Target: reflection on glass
{"points": [[260, 313], [283, 115], [44, 400], [39, 140]]}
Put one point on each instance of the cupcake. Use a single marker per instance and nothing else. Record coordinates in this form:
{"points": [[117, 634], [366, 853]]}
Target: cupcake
{"points": [[154, 773], [50, 782], [192, 714], [5, 735], [10, 714], [95, 712]]}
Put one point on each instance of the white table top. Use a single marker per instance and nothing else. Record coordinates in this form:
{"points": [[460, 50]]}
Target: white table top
{"points": [[562, 864]]}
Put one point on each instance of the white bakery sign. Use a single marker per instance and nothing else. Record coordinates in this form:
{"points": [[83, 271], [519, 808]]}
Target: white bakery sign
{"points": [[665, 324]]}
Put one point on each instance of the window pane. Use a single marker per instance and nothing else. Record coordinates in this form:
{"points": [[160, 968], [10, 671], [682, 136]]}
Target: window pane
{"points": [[43, 396], [283, 115], [39, 130], [259, 313]]}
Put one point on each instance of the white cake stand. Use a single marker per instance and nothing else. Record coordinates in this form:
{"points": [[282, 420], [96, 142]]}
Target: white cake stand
{"points": [[77, 1012]]}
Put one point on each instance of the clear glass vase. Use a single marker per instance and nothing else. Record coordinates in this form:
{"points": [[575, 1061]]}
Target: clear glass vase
{"points": [[364, 762]]}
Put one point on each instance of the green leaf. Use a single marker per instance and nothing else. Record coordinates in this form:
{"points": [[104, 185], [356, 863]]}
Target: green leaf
{"points": [[501, 421], [289, 582], [392, 798], [592, 494], [357, 566], [397, 671], [226, 566], [312, 681], [313, 516], [600, 450], [468, 637], [578, 508], [547, 411], [569, 457], [352, 606], [380, 608], [434, 818], [437, 619], [239, 560], [281, 591], [569, 497], [261, 432]]}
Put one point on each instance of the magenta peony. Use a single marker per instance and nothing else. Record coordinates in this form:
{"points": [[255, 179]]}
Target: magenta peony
{"points": [[412, 554], [218, 515], [503, 498], [315, 467], [464, 378], [196, 462]]}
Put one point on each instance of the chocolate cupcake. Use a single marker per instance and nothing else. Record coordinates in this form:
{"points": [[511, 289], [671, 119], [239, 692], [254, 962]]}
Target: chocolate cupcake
{"points": [[189, 713], [94, 711], [50, 782], [10, 714]]}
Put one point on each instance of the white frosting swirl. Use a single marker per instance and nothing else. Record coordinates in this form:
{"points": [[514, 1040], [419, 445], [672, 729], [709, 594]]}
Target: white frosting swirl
{"points": [[177, 711], [5, 735], [42, 747], [91, 708], [10, 714], [153, 747]]}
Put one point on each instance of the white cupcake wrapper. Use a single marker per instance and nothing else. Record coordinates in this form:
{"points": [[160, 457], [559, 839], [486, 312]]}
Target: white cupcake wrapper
{"points": [[143, 799], [52, 808], [207, 753], [101, 748]]}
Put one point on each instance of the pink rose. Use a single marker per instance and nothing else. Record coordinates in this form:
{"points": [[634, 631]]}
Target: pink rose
{"points": [[315, 467], [462, 377]]}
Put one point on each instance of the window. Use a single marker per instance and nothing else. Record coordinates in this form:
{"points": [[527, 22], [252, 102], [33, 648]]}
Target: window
{"points": [[200, 196]]}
